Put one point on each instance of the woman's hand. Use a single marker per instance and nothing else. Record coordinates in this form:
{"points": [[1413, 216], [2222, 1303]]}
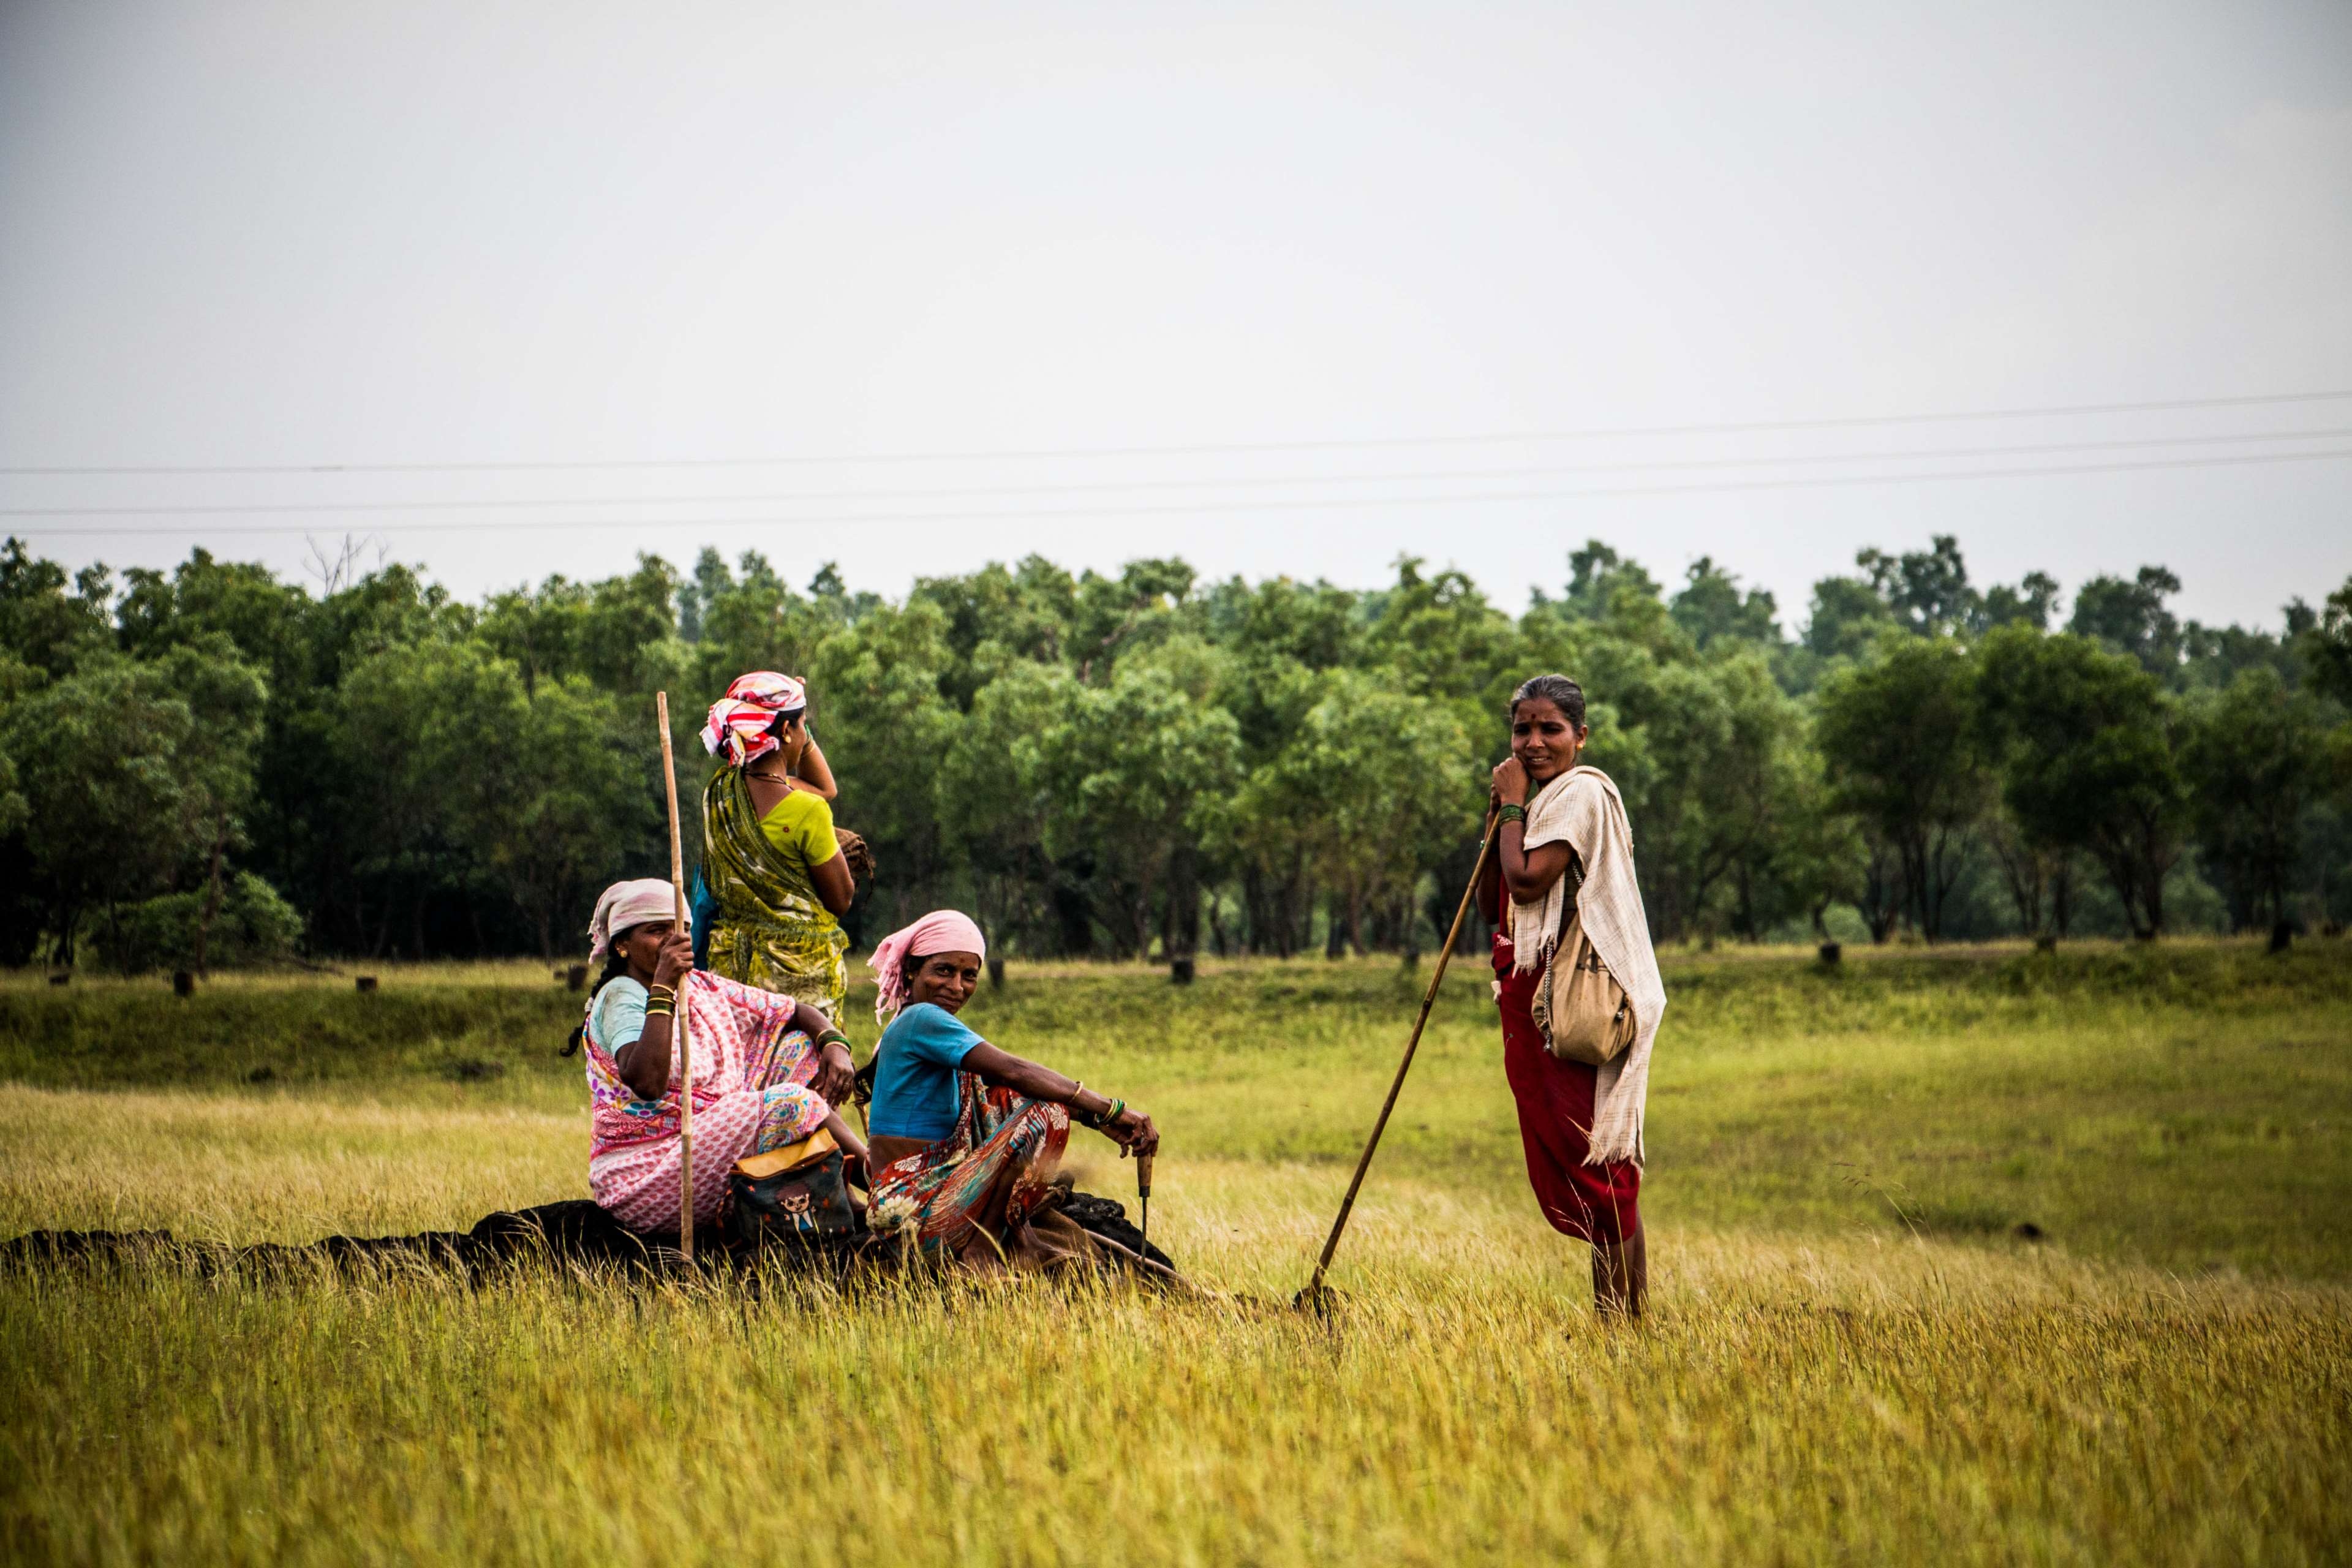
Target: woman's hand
{"points": [[1133, 1132], [1510, 784], [857, 852], [675, 962], [834, 1073]]}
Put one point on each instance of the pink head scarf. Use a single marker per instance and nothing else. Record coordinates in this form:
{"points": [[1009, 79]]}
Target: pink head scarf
{"points": [[627, 904], [941, 930], [739, 722]]}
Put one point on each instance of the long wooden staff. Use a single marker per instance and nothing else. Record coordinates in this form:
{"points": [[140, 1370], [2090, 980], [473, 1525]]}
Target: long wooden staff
{"points": [[1314, 1291], [678, 1020]]}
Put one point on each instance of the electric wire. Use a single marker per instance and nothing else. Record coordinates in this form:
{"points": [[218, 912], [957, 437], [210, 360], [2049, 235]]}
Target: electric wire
{"points": [[1303, 504], [444, 504], [1201, 448]]}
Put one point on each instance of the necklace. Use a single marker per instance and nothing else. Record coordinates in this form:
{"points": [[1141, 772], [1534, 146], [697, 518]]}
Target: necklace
{"points": [[783, 779]]}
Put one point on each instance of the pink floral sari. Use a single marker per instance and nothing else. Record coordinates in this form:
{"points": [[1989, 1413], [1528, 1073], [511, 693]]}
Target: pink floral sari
{"points": [[751, 1072]]}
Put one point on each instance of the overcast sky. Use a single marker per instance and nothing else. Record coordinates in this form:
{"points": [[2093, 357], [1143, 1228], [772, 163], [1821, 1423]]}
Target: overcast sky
{"points": [[1308, 260]]}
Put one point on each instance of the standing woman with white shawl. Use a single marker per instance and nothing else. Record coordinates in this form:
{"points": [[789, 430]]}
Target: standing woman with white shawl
{"points": [[1581, 1125]]}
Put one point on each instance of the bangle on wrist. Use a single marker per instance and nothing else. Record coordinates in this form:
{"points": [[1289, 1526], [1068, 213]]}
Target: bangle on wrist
{"points": [[1508, 812]]}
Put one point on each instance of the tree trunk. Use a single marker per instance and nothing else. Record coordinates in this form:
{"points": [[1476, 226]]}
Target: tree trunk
{"points": [[212, 894], [1180, 931]]}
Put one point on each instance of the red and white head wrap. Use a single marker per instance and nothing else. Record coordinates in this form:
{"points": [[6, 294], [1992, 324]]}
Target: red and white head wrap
{"points": [[941, 930], [628, 904], [739, 722]]}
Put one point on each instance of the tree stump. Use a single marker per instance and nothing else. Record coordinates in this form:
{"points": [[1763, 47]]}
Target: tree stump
{"points": [[1180, 970], [576, 977], [183, 984], [2282, 936], [1832, 953], [366, 982]]}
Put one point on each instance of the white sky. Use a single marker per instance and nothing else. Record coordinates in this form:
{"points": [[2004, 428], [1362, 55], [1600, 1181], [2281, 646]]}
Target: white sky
{"points": [[415, 233]]}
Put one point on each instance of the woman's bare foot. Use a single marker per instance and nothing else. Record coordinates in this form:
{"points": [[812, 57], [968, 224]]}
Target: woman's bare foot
{"points": [[1621, 1276]]}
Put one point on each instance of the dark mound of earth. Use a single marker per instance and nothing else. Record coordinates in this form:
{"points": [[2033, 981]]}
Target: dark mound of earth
{"points": [[575, 1232]]}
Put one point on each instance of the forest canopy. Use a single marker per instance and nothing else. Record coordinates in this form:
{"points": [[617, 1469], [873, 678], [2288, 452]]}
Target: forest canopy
{"points": [[211, 766]]}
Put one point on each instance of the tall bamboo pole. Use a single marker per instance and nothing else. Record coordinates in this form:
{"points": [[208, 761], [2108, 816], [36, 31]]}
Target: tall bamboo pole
{"points": [[1331, 1242], [678, 1022]]}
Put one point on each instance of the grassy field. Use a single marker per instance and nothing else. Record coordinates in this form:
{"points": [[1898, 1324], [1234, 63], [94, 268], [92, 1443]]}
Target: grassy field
{"points": [[1852, 1353]]}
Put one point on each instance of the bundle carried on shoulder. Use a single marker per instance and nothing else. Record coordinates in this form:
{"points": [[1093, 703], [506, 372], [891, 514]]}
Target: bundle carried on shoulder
{"points": [[1582, 1011]]}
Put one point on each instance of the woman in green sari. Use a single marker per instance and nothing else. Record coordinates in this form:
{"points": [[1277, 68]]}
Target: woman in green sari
{"points": [[777, 872]]}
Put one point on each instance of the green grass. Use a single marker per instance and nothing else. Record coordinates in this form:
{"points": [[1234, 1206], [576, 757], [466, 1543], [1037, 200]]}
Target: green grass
{"points": [[1850, 1355], [2185, 1106]]}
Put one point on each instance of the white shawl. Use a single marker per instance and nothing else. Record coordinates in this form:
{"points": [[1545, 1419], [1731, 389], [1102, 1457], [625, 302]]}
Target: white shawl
{"points": [[1583, 810]]}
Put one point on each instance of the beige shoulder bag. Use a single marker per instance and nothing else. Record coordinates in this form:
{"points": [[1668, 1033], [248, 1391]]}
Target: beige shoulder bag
{"points": [[1582, 1011]]}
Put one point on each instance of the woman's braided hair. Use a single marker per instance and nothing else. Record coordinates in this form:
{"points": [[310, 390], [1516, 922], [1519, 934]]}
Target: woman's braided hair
{"points": [[614, 967], [1557, 690]]}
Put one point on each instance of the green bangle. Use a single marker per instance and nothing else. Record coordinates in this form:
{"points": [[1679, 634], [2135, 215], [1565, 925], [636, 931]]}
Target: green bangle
{"points": [[1512, 814], [834, 1037]]}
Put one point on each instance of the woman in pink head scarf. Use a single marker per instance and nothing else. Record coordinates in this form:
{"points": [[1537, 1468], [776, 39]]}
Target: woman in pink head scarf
{"points": [[965, 1137], [767, 1069]]}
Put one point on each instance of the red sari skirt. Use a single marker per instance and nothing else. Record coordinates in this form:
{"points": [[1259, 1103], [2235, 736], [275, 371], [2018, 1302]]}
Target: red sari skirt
{"points": [[1592, 1203]]}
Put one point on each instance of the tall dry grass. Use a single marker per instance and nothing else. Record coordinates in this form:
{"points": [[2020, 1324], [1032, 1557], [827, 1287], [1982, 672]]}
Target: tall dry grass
{"points": [[1866, 1395]]}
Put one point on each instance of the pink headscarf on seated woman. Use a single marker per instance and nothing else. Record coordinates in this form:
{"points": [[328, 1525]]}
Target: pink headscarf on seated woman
{"points": [[627, 904], [941, 930]]}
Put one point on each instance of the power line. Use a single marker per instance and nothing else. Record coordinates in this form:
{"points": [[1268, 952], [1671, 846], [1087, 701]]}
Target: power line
{"points": [[1594, 433], [1656, 464], [1827, 481]]}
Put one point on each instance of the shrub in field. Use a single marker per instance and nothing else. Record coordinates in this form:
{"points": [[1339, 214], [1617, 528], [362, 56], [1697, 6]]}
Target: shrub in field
{"points": [[254, 926]]}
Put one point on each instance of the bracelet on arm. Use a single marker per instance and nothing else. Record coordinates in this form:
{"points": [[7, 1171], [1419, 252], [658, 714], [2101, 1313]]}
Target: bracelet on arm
{"points": [[660, 1010], [836, 1037], [1511, 813], [663, 993]]}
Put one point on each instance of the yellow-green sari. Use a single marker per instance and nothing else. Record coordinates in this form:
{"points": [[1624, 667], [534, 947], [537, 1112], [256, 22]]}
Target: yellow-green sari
{"points": [[771, 931]]}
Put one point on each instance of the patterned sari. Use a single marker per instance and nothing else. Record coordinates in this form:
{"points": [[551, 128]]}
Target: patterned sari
{"points": [[751, 1072], [939, 1193], [771, 931]]}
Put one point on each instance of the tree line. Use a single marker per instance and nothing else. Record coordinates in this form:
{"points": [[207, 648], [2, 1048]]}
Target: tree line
{"points": [[211, 766]]}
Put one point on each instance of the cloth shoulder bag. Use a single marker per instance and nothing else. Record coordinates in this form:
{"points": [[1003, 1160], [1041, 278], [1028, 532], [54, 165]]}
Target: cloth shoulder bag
{"points": [[1583, 1013], [795, 1194]]}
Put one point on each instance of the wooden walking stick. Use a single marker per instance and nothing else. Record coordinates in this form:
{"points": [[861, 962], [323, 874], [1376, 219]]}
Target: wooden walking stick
{"points": [[1313, 1295], [1144, 1194], [678, 1022]]}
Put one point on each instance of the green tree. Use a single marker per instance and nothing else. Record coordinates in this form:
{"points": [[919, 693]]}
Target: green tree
{"points": [[2131, 618], [1900, 740], [2254, 758], [1926, 591], [1847, 618], [128, 769], [994, 800], [877, 702], [43, 623], [1596, 575], [1711, 607], [1394, 784], [2031, 603], [2328, 646], [2089, 759], [1135, 769]]}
